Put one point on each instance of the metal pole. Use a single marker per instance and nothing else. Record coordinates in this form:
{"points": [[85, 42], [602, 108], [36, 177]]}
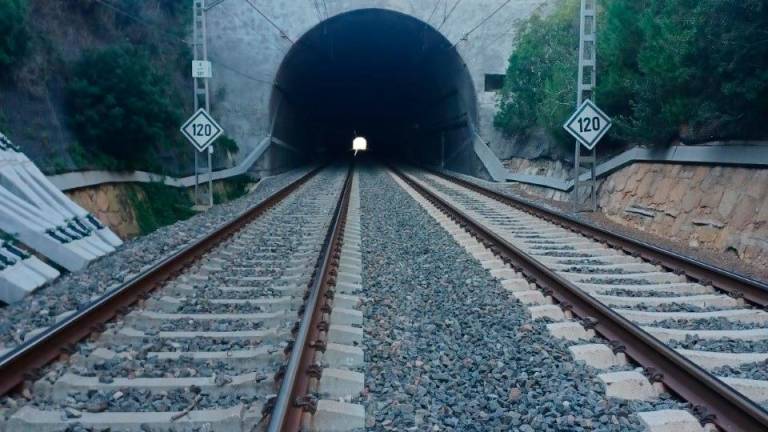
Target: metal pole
{"points": [[210, 177], [202, 89], [196, 12], [585, 90], [197, 177]]}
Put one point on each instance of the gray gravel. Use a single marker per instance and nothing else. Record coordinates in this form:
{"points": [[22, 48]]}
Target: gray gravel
{"points": [[755, 371], [675, 307], [73, 291], [623, 292], [722, 345], [620, 281], [447, 348], [708, 324], [595, 270]]}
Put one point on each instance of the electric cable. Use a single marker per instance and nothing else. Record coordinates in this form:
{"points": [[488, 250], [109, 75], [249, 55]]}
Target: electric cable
{"points": [[445, 19], [481, 23], [434, 10], [269, 20]]}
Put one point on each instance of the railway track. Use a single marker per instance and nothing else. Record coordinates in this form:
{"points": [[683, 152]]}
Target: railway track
{"points": [[696, 329], [216, 337]]}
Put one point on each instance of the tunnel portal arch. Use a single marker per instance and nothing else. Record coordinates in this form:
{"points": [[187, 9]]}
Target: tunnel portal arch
{"points": [[380, 73], [250, 51]]}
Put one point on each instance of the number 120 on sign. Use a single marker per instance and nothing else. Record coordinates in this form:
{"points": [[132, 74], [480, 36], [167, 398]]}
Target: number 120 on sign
{"points": [[588, 124]]}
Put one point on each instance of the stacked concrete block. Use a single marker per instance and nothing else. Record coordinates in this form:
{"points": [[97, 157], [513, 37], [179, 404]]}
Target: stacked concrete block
{"points": [[21, 273], [39, 215]]}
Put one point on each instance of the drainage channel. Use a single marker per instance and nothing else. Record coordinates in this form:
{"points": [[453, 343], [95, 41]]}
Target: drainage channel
{"points": [[574, 270]]}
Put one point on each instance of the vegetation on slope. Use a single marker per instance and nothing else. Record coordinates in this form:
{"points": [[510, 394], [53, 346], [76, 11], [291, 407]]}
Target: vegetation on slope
{"points": [[688, 70], [13, 37], [81, 61], [157, 205], [121, 105]]}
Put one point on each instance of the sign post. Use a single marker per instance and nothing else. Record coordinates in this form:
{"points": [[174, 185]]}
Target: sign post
{"points": [[587, 79], [201, 73], [202, 130]]}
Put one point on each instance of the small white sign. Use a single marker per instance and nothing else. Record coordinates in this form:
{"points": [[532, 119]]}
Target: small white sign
{"points": [[201, 69], [588, 124], [201, 130]]}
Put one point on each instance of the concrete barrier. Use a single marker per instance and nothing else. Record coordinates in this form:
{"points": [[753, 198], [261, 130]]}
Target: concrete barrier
{"points": [[40, 216]]}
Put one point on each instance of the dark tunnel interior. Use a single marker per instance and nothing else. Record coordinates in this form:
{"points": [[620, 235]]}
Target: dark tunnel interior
{"points": [[383, 75]]}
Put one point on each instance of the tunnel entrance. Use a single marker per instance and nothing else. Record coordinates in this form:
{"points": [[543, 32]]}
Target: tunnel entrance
{"points": [[376, 73]]}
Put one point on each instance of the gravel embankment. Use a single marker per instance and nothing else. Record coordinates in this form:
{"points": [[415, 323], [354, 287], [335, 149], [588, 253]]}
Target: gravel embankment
{"points": [[448, 349], [73, 291]]}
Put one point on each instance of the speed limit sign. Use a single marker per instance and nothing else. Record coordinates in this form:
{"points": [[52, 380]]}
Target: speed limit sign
{"points": [[588, 124], [201, 130]]}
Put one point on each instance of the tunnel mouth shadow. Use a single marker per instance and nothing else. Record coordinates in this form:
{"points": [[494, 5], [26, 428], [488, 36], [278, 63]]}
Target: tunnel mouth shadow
{"points": [[377, 73]]}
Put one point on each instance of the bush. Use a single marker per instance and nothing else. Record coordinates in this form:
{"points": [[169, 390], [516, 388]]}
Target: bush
{"points": [[693, 70], [161, 205], [540, 85], [120, 105], [13, 37]]}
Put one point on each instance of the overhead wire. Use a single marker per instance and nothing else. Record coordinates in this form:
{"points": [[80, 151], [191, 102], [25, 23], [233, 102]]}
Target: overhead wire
{"points": [[434, 10], [482, 22], [448, 16], [316, 5], [269, 20]]}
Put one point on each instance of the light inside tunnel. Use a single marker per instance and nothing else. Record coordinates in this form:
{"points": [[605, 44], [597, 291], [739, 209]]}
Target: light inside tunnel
{"points": [[385, 75], [359, 144]]}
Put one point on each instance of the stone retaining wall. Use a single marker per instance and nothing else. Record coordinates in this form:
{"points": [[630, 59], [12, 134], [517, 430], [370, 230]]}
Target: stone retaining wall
{"points": [[723, 209]]}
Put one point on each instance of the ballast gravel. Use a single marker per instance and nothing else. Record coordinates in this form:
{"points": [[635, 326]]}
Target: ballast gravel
{"points": [[722, 345], [76, 290], [708, 324], [675, 307], [621, 292], [448, 349], [755, 371]]}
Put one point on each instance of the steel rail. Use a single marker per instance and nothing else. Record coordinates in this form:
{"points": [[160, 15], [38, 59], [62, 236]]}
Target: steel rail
{"points": [[294, 396], [753, 291], [727, 408], [22, 362]]}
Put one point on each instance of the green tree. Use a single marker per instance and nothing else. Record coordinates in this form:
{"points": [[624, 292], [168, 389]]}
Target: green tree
{"points": [[693, 70], [13, 36], [120, 104], [540, 85]]}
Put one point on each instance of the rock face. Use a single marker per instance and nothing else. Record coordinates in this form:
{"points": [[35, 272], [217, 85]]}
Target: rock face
{"points": [[718, 208], [111, 205]]}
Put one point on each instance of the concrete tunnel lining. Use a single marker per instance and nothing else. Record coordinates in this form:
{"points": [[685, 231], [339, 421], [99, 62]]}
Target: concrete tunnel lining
{"points": [[380, 73]]}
